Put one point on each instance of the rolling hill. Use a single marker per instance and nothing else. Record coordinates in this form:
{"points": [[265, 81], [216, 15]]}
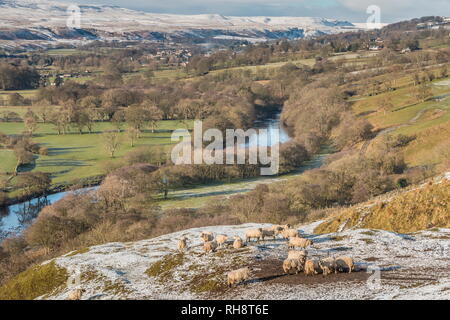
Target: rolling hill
{"points": [[28, 23]]}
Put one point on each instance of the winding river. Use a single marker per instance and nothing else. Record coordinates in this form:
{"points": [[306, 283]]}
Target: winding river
{"points": [[16, 218]]}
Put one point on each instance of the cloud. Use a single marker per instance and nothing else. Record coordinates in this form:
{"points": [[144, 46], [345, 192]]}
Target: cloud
{"points": [[401, 9]]}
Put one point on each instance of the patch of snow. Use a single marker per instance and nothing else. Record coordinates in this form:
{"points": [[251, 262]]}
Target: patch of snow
{"points": [[413, 266]]}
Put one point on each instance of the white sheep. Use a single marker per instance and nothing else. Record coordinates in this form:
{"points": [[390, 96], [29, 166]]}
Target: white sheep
{"points": [[293, 264], [221, 239], [75, 294], [182, 243], [210, 246], [288, 233], [207, 236], [299, 242], [237, 244], [237, 276], [312, 267], [344, 263], [328, 265], [277, 229], [296, 254], [254, 234]]}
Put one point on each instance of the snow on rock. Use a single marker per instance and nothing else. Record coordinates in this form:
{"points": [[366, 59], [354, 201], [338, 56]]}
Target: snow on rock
{"points": [[413, 266]]}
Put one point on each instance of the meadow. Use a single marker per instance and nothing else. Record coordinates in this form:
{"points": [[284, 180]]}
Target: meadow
{"points": [[428, 121], [74, 156]]}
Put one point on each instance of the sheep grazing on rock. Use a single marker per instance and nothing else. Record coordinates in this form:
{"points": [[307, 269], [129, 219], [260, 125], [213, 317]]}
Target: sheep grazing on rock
{"points": [[312, 267], [277, 229], [210, 246], [237, 244], [288, 233], [309, 268], [207, 236], [221, 239], [75, 294], [296, 254], [254, 234], [299, 242], [328, 265], [182, 243], [237, 276], [344, 263], [268, 233], [293, 264]]}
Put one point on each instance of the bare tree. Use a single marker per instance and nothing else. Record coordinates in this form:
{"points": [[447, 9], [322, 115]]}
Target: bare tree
{"points": [[31, 122], [111, 142], [133, 134]]}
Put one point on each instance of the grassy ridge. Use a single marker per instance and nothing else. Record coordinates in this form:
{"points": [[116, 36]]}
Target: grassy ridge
{"points": [[410, 211], [34, 282]]}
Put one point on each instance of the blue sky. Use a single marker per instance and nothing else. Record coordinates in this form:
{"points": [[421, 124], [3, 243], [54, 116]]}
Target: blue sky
{"points": [[352, 10]]}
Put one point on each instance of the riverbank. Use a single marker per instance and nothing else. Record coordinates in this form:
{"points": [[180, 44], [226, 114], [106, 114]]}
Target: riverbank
{"points": [[199, 196], [56, 188]]}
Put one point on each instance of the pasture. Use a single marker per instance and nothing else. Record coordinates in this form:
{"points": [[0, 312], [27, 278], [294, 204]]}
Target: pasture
{"points": [[73, 156]]}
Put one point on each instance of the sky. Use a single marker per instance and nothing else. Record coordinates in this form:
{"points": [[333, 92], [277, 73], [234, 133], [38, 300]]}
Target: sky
{"points": [[350, 10]]}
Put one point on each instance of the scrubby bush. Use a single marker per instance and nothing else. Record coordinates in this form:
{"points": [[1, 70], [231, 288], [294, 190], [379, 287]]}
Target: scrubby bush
{"points": [[292, 155]]}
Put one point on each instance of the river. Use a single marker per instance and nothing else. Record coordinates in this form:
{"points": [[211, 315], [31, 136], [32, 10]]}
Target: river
{"points": [[16, 218]]}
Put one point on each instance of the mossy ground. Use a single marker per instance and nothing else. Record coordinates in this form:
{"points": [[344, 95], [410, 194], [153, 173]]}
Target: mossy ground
{"points": [[35, 282], [196, 271], [163, 268]]}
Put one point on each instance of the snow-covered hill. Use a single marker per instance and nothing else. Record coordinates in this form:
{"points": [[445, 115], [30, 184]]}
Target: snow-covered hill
{"points": [[42, 20], [414, 266]]}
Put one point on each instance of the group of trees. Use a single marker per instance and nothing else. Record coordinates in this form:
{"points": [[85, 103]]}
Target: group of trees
{"points": [[223, 101], [18, 77], [349, 178], [23, 147], [27, 183]]}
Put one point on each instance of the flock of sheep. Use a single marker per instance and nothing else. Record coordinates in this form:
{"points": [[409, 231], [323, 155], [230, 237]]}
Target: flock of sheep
{"points": [[297, 260]]}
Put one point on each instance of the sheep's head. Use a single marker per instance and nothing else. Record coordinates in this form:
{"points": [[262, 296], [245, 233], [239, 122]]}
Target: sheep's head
{"points": [[249, 270]]}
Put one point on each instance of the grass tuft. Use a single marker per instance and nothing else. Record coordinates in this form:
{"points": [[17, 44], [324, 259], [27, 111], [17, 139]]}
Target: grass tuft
{"points": [[35, 282]]}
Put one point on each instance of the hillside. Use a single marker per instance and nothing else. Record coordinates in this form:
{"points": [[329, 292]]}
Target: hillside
{"points": [[417, 208], [40, 23], [412, 266]]}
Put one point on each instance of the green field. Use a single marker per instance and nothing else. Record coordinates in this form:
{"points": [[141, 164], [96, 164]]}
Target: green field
{"points": [[402, 110], [74, 156], [63, 52], [428, 121], [7, 160]]}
